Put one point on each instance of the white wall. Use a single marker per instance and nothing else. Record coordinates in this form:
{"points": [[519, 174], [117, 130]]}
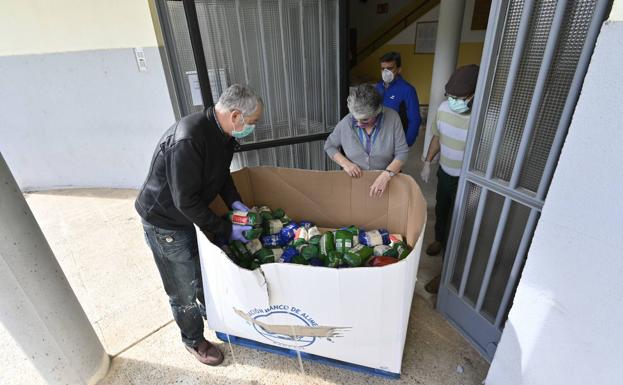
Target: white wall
{"points": [[82, 119], [565, 326], [407, 36], [75, 111], [38, 26], [616, 14]]}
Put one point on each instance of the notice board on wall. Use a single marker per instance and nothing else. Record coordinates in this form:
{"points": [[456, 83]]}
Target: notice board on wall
{"points": [[425, 37]]}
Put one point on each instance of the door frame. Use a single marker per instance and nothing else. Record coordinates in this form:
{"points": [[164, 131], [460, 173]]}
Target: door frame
{"points": [[454, 309]]}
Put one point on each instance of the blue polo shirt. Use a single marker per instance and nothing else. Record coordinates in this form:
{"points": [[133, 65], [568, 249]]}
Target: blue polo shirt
{"points": [[402, 97]]}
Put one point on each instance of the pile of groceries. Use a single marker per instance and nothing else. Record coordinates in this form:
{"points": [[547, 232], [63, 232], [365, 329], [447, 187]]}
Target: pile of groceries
{"points": [[274, 237]]}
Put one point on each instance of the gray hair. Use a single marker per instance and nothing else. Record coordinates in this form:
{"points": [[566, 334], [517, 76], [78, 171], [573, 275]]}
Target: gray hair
{"points": [[239, 97], [364, 101]]}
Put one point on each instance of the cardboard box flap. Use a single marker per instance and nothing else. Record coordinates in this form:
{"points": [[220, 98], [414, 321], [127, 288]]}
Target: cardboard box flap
{"points": [[320, 197], [368, 212], [243, 185], [332, 199]]}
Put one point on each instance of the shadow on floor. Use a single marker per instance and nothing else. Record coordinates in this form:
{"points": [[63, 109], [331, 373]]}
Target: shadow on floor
{"points": [[433, 352], [127, 371], [99, 193]]}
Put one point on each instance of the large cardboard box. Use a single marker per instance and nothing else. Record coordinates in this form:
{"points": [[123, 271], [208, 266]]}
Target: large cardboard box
{"points": [[356, 315]]}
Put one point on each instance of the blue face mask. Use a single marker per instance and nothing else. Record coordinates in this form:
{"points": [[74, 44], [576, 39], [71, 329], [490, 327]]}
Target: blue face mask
{"points": [[247, 129], [458, 105]]}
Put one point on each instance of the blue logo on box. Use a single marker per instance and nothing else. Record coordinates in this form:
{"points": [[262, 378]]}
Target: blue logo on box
{"points": [[288, 326], [290, 339]]}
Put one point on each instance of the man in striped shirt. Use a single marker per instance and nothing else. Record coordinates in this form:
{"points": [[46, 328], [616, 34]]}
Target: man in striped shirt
{"points": [[449, 136]]}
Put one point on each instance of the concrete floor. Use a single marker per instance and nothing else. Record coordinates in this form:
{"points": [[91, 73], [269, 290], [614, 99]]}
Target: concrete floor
{"points": [[97, 238]]}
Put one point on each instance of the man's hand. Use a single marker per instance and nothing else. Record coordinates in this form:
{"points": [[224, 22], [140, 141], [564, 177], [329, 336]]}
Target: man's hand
{"points": [[237, 233], [352, 169], [425, 174], [237, 205], [380, 185]]}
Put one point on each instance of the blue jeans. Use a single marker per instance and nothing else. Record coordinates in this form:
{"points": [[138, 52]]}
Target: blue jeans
{"points": [[177, 258]]}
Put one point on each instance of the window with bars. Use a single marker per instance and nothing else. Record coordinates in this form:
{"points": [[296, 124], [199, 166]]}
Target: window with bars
{"points": [[287, 50]]}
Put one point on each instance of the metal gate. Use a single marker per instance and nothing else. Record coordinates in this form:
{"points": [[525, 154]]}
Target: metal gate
{"points": [[535, 57], [291, 51]]}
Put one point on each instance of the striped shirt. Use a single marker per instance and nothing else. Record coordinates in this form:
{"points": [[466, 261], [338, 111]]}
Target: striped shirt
{"points": [[451, 127]]}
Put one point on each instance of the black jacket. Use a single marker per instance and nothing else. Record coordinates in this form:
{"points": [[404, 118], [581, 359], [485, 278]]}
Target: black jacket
{"points": [[189, 168]]}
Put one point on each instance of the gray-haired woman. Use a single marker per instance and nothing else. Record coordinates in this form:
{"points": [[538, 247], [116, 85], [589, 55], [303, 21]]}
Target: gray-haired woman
{"points": [[371, 138]]}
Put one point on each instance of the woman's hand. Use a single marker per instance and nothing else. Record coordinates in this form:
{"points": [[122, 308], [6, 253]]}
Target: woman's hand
{"points": [[352, 169], [380, 185]]}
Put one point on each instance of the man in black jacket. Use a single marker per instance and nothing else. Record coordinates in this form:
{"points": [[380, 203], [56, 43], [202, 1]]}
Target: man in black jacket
{"points": [[189, 168]]}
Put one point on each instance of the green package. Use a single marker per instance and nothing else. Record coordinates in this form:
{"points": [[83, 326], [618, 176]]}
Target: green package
{"points": [[309, 251], [327, 243], [313, 232], [300, 260], [239, 249], [285, 219], [313, 235], [334, 259], [353, 230], [230, 253], [257, 215], [245, 218], [298, 242], [324, 258], [250, 264], [343, 240], [269, 255], [265, 213], [385, 251], [278, 214], [402, 249], [358, 255], [315, 240], [272, 226], [254, 233], [245, 263], [254, 246]]}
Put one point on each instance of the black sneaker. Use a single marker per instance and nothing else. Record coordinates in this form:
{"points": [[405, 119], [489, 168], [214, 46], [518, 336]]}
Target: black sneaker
{"points": [[434, 248], [206, 353], [433, 285]]}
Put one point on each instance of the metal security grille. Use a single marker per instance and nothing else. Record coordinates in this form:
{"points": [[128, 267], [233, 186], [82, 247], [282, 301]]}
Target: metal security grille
{"points": [[535, 58], [287, 50]]}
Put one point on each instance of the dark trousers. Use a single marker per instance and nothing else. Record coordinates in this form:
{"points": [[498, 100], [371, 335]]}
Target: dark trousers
{"points": [[177, 258], [446, 193]]}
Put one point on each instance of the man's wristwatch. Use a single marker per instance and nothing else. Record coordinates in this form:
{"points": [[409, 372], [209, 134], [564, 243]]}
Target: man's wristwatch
{"points": [[391, 173]]}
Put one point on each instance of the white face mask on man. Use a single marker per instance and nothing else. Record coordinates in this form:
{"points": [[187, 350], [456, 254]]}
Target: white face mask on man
{"points": [[387, 75]]}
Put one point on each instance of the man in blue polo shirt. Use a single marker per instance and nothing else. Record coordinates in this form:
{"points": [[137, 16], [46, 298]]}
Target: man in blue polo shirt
{"points": [[399, 95]]}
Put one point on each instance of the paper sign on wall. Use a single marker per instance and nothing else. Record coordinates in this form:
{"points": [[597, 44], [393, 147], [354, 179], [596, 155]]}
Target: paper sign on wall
{"points": [[195, 88]]}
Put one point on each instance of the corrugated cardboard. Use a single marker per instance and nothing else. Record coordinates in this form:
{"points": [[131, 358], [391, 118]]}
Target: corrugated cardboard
{"points": [[356, 315]]}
